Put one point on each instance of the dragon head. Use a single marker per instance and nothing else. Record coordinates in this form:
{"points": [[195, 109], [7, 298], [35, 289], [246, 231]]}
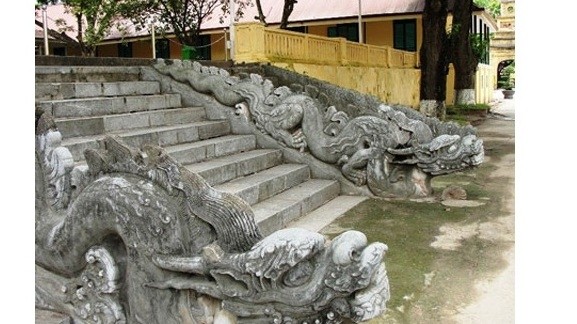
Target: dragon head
{"points": [[358, 269], [291, 276], [444, 154]]}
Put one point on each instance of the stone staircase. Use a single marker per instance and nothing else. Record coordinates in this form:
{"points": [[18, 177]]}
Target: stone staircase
{"points": [[88, 102]]}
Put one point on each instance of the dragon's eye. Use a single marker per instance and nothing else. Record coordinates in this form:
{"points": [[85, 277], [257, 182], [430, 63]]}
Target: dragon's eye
{"points": [[355, 255], [452, 149]]}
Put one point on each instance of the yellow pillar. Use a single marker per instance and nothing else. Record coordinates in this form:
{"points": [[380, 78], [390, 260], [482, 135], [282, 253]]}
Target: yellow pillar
{"points": [[249, 46]]}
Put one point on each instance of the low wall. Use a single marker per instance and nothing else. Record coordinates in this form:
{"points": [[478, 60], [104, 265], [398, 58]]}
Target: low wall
{"points": [[52, 60], [393, 86], [391, 75], [382, 71]]}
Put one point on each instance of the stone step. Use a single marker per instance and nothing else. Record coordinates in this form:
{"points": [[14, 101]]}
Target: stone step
{"points": [[220, 170], [321, 217], [204, 150], [87, 73], [278, 211], [87, 107], [69, 90], [265, 184], [85, 126], [160, 135]]}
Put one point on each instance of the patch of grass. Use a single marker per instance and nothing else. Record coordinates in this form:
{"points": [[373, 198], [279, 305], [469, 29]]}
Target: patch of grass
{"points": [[409, 227], [466, 114], [468, 108]]}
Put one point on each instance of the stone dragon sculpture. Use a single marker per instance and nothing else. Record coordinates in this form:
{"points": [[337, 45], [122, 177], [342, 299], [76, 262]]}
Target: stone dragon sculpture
{"points": [[133, 237], [394, 151]]}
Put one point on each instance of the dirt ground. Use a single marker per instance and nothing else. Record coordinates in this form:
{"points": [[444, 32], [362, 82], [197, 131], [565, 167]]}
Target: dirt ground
{"points": [[495, 301]]}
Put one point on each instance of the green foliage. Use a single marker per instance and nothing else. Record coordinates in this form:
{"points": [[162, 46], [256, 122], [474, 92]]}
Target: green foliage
{"points": [[181, 17], [493, 7], [95, 18], [480, 46], [507, 80]]}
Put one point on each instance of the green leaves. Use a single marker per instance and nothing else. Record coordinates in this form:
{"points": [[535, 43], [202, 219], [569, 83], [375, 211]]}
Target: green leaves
{"points": [[95, 18], [493, 7]]}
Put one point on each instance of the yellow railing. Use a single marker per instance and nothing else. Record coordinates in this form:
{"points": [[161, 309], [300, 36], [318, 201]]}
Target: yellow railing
{"points": [[390, 74], [256, 43], [484, 83]]}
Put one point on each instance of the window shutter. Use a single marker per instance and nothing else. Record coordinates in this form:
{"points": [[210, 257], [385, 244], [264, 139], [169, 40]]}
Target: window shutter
{"points": [[411, 36], [332, 32], [398, 35]]}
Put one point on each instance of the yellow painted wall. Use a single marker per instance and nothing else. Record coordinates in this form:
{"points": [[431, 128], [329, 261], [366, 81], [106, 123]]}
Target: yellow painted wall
{"points": [[142, 49], [109, 50], [379, 33], [218, 48], [450, 99], [318, 30], [175, 48], [393, 86]]}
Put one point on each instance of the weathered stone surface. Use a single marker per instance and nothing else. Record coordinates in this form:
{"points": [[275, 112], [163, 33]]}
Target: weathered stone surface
{"points": [[454, 192], [134, 237], [393, 151]]}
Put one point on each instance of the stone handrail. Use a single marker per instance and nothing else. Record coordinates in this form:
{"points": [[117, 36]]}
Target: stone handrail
{"points": [[273, 45]]}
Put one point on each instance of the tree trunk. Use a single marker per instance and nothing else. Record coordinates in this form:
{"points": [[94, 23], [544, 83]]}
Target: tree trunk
{"points": [[464, 60], [286, 12], [434, 59], [261, 16]]}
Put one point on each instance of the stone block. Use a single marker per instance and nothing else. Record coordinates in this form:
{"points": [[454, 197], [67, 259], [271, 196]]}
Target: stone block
{"points": [[187, 134], [80, 126], [84, 90], [125, 121], [192, 154], [213, 129]]}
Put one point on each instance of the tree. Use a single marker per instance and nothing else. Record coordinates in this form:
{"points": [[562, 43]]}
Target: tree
{"points": [[261, 17], [286, 12], [39, 3], [61, 33], [492, 6], [464, 59], [181, 17], [434, 59], [94, 19]]}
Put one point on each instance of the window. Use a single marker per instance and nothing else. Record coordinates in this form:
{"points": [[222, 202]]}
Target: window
{"points": [[298, 29], [348, 31], [125, 50], [59, 51], [203, 48], [162, 49], [405, 34]]}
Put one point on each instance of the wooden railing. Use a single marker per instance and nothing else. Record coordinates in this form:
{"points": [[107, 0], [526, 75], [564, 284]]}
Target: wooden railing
{"points": [[256, 43]]}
